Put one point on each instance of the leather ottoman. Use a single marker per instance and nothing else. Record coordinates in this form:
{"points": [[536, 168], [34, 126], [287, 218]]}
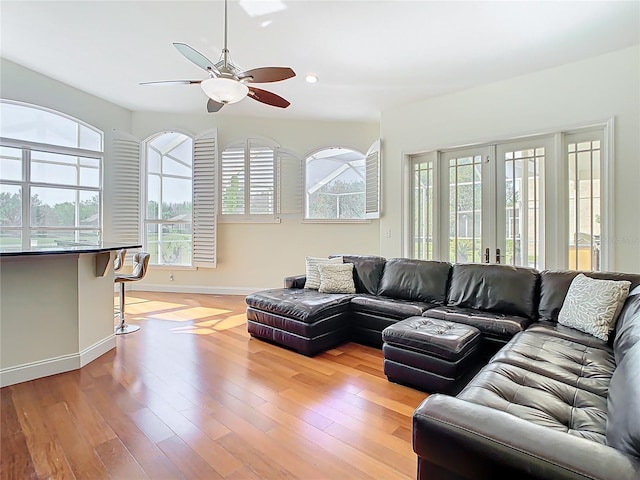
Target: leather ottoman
{"points": [[430, 354], [304, 320]]}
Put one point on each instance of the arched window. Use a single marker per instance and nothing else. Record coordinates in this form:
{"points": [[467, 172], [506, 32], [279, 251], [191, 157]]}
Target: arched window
{"points": [[335, 185], [50, 178], [168, 199]]}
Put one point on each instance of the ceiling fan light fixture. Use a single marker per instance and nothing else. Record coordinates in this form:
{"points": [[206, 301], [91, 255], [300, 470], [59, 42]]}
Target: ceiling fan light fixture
{"points": [[224, 90]]}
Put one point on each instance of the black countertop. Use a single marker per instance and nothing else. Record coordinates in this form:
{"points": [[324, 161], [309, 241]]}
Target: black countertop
{"points": [[67, 249]]}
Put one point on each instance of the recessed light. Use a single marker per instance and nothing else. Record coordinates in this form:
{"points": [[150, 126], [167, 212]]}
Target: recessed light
{"points": [[311, 79]]}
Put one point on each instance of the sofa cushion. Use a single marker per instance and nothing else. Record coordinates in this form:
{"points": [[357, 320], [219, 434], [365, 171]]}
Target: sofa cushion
{"points": [[336, 278], [421, 280], [554, 285], [592, 306], [570, 334], [540, 400], [628, 326], [623, 424], [312, 273], [300, 304], [367, 271], [568, 362], [496, 288], [493, 325], [389, 307]]}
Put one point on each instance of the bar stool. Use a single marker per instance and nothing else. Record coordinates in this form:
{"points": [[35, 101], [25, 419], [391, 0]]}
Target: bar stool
{"points": [[118, 263], [140, 264]]}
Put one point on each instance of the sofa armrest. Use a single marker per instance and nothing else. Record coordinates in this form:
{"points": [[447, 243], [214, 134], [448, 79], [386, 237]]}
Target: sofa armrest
{"points": [[295, 282], [475, 441]]}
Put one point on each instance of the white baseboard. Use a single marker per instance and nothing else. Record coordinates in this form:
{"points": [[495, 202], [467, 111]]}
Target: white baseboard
{"points": [[99, 348], [53, 366], [193, 289]]}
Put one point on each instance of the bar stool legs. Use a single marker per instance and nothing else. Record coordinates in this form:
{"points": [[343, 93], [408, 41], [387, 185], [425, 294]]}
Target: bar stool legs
{"points": [[123, 327], [140, 264]]}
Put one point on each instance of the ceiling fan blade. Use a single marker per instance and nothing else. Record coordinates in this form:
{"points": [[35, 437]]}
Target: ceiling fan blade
{"points": [[196, 57], [173, 82], [267, 97], [213, 106], [267, 74]]}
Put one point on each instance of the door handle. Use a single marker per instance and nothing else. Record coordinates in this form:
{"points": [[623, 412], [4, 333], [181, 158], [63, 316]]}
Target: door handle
{"points": [[497, 255], [486, 255]]}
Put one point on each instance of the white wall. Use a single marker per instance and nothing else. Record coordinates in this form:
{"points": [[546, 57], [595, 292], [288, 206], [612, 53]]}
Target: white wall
{"points": [[256, 256], [572, 95]]}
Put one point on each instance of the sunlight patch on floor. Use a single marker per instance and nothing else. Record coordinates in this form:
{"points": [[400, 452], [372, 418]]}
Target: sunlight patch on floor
{"points": [[150, 307], [211, 326], [186, 314]]}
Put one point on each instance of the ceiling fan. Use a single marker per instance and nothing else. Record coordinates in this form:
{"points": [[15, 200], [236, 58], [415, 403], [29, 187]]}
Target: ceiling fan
{"points": [[226, 82]]}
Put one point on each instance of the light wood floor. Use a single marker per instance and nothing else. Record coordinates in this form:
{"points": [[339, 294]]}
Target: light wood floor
{"points": [[191, 395]]}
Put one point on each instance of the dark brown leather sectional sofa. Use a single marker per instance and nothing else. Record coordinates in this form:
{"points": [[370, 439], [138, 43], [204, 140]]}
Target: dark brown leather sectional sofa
{"points": [[551, 402]]}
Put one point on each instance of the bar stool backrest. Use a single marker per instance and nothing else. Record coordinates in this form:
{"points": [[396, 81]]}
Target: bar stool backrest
{"points": [[140, 265], [118, 262]]}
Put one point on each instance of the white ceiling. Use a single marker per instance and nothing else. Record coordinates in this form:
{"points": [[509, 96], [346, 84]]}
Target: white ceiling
{"points": [[368, 55]]}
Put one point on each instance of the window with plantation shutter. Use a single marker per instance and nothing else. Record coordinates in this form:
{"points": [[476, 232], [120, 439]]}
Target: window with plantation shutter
{"points": [[262, 179], [125, 161], [180, 199], [248, 180], [232, 173], [205, 150], [372, 192]]}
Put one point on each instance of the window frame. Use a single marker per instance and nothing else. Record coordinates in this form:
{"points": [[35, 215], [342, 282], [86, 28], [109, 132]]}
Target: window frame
{"points": [[26, 184]]}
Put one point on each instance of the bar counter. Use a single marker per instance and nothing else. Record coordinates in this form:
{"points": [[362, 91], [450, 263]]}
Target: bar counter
{"points": [[56, 308]]}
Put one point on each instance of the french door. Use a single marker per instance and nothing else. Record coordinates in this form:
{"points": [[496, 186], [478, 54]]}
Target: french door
{"points": [[465, 212], [491, 205]]}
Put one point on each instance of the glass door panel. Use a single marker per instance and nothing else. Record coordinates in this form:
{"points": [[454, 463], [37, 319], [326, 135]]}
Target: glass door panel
{"points": [[584, 185], [464, 175], [520, 211], [423, 208]]}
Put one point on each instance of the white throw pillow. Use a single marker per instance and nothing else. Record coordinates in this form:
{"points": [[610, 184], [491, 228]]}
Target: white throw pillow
{"points": [[313, 275], [592, 306], [336, 278]]}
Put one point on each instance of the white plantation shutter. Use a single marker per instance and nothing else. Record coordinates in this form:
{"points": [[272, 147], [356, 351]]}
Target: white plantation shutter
{"points": [[262, 179], [289, 182], [372, 189], [232, 181], [205, 148], [125, 205], [248, 179]]}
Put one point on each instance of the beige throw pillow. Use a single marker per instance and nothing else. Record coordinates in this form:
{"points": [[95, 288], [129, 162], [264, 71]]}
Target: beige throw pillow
{"points": [[313, 275], [336, 278], [592, 306]]}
